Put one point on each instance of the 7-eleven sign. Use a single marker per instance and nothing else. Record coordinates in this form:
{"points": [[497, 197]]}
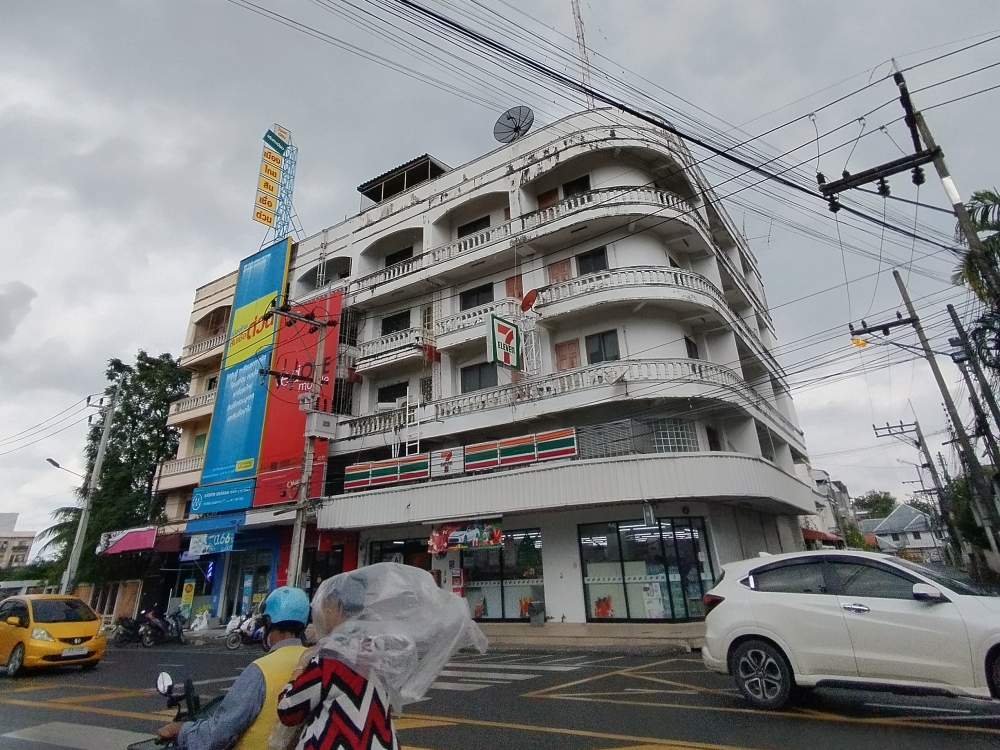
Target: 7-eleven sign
{"points": [[503, 344]]}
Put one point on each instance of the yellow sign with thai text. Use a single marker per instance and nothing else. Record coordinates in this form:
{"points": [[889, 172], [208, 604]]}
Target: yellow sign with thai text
{"points": [[266, 202], [251, 330], [272, 157], [263, 216], [270, 172], [267, 186]]}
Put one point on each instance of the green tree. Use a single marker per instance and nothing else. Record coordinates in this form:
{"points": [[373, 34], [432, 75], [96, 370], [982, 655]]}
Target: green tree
{"points": [[877, 503], [854, 539], [925, 506], [984, 210], [139, 440], [960, 508]]}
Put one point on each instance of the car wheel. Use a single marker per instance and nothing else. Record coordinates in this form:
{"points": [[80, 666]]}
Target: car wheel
{"points": [[233, 641], [15, 662], [762, 674], [148, 640], [993, 671]]}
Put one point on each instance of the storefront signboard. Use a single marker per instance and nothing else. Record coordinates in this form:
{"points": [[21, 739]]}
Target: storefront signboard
{"points": [[448, 463], [503, 344], [482, 456], [222, 497], [385, 472], [479, 534], [556, 444], [209, 544], [519, 450], [187, 597], [357, 477], [414, 467]]}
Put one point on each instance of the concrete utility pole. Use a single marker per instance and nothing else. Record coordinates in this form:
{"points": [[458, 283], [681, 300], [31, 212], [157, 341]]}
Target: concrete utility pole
{"points": [[973, 359], [69, 575]]}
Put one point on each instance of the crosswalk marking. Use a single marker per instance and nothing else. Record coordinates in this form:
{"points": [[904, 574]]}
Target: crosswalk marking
{"points": [[78, 736], [476, 675], [535, 667]]}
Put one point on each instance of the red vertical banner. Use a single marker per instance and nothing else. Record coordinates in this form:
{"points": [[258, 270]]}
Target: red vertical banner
{"points": [[282, 442]]}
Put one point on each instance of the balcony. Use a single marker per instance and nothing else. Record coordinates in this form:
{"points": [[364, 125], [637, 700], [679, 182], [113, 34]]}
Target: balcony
{"points": [[656, 282], [391, 349], [546, 394], [192, 407], [199, 349], [617, 201], [471, 324], [179, 472]]}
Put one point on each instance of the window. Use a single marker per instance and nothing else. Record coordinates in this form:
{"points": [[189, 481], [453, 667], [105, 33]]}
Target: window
{"points": [[869, 581], [692, 348], [481, 295], [895, 537], [427, 318], [548, 198], [514, 287], [62, 610], [396, 322], [343, 397], [714, 444], [791, 579], [212, 383], [635, 571], [472, 227], [426, 390], [577, 186], [6, 610], [478, 377], [602, 347], [559, 271], [916, 535], [674, 436], [593, 261], [673, 263], [389, 393], [350, 322], [199, 443], [399, 256], [568, 355], [500, 583]]}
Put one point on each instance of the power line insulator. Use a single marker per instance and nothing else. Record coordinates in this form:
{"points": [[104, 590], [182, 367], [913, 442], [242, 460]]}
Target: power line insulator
{"points": [[883, 187]]}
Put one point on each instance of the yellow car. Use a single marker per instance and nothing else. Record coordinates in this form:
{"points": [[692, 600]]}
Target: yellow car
{"points": [[42, 630]]}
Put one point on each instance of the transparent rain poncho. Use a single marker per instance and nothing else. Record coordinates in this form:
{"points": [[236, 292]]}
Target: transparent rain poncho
{"points": [[392, 622]]}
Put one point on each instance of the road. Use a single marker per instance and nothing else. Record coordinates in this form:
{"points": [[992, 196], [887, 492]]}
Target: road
{"points": [[510, 700]]}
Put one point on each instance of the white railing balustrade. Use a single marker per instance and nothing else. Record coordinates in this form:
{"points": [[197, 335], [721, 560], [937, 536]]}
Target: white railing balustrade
{"points": [[409, 337], [193, 402], [181, 465], [476, 316], [203, 346]]}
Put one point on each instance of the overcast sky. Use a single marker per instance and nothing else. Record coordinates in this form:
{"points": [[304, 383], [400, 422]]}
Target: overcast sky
{"points": [[131, 142]]}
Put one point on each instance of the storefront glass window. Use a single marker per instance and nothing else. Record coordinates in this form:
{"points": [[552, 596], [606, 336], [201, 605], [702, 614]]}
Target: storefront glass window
{"points": [[603, 579], [407, 551], [500, 583], [634, 571]]}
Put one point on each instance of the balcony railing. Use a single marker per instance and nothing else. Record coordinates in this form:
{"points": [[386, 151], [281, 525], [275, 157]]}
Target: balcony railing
{"points": [[203, 346], [638, 276], [607, 197], [369, 350], [193, 402], [476, 316], [181, 465], [677, 371]]}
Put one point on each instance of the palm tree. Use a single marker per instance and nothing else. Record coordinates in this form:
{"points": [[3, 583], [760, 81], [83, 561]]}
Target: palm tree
{"points": [[62, 533], [984, 209]]}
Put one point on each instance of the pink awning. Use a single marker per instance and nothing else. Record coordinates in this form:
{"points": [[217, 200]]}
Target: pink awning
{"points": [[131, 540]]}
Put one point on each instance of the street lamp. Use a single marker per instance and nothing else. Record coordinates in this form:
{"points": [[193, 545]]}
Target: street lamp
{"points": [[56, 464]]}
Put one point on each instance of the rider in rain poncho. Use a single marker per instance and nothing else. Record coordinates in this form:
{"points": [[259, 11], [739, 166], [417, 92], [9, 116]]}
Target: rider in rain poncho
{"points": [[385, 633]]}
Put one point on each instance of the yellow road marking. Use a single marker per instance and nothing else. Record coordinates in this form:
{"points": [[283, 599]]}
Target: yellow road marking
{"points": [[105, 697], [625, 671], [646, 741], [81, 709], [405, 722], [674, 683]]}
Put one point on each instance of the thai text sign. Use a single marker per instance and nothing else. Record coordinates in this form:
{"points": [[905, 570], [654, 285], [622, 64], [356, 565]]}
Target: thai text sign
{"points": [[217, 498], [466, 535], [209, 544], [237, 422]]}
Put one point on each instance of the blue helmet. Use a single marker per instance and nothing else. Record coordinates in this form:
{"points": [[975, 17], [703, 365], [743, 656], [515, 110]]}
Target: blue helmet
{"points": [[286, 604]]}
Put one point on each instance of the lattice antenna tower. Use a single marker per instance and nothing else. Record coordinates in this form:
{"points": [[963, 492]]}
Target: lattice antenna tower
{"points": [[283, 215], [581, 43]]}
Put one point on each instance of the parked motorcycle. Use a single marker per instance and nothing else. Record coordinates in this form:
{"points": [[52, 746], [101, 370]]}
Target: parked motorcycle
{"points": [[126, 631], [188, 704], [244, 630], [169, 629]]}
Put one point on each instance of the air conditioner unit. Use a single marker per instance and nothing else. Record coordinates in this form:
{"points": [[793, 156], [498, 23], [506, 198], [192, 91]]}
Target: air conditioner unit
{"points": [[402, 402], [385, 406]]}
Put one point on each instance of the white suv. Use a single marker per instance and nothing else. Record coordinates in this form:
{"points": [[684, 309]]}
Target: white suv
{"points": [[850, 620]]}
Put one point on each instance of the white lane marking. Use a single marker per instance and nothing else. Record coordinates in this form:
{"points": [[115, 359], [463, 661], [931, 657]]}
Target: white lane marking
{"points": [[565, 658], [79, 736], [458, 686], [537, 667], [597, 661], [487, 675], [217, 679], [931, 709]]}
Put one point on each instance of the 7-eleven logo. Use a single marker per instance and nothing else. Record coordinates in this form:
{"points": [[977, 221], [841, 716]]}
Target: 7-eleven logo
{"points": [[505, 347]]}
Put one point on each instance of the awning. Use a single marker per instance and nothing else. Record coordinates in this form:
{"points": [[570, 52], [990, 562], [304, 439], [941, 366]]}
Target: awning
{"points": [[819, 536], [228, 522], [167, 543], [129, 540]]}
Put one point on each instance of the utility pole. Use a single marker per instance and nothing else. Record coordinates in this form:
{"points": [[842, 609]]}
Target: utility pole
{"points": [[973, 358], [982, 423], [308, 402], [69, 575]]}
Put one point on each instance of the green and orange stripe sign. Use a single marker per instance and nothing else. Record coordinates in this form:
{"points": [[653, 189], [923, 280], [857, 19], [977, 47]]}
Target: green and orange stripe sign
{"points": [[555, 444], [482, 456]]}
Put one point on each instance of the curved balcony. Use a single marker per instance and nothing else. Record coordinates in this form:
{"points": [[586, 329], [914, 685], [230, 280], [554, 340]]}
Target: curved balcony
{"points": [[391, 348], [616, 201], [533, 397], [647, 282], [196, 350], [471, 324], [191, 407], [179, 472]]}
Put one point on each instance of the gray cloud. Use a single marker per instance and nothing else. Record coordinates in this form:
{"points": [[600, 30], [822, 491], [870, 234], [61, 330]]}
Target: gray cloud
{"points": [[15, 303]]}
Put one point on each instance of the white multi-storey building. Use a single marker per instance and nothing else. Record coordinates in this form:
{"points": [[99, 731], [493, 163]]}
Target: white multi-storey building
{"points": [[649, 336], [648, 439]]}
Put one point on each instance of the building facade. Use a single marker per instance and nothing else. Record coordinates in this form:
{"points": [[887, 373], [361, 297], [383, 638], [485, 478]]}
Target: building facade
{"points": [[637, 434], [14, 545]]}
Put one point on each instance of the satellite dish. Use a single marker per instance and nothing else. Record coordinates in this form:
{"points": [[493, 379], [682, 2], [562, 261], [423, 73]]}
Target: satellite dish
{"points": [[529, 300], [513, 123]]}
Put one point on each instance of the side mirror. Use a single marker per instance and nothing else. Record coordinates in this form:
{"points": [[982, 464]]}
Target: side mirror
{"points": [[164, 684], [924, 592], [15, 621]]}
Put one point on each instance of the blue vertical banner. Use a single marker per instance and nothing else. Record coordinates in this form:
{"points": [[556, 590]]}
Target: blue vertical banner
{"points": [[237, 423]]}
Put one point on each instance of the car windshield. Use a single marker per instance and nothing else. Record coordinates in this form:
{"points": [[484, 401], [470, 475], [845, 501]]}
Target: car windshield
{"points": [[61, 610], [949, 580]]}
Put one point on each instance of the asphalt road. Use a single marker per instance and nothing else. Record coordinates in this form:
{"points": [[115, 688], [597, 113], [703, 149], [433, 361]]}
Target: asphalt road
{"points": [[510, 700]]}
